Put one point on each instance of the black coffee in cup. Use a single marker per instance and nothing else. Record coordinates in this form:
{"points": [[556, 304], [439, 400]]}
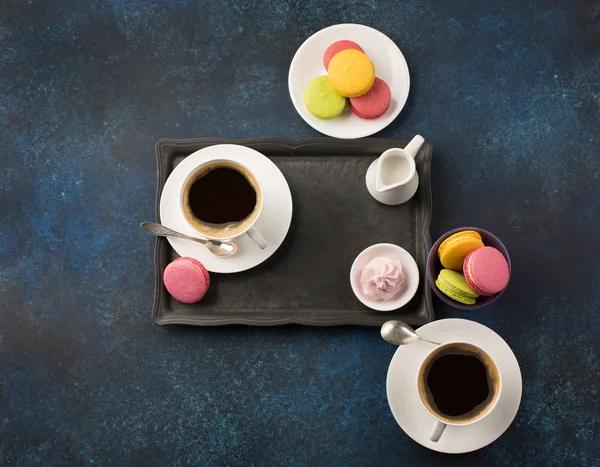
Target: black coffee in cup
{"points": [[222, 195], [221, 199], [458, 383]]}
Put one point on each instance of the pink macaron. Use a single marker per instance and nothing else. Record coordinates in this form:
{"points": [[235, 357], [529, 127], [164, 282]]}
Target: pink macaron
{"points": [[337, 47], [186, 279], [374, 103], [486, 270]]}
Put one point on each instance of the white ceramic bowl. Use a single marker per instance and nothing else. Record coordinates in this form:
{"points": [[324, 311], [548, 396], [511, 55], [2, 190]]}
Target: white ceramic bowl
{"points": [[409, 266], [390, 66]]}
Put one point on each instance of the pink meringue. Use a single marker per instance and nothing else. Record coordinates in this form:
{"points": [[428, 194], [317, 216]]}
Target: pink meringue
{"points": [[382, 278]]}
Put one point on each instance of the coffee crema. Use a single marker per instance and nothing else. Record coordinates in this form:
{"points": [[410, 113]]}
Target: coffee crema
{"points": [[221, 199], [459, 383]]}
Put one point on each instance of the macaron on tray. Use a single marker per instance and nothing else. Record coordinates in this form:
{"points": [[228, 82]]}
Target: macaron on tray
{"points": [[350, 80]]}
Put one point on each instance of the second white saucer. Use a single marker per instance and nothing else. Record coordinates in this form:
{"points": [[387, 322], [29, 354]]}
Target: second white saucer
{"points": [[409, 411]]}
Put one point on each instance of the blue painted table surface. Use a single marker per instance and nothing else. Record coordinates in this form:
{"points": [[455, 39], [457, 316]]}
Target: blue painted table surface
{"points": [[507, 91]]}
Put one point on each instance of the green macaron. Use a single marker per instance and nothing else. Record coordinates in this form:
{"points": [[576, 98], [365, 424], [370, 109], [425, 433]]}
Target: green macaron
{"points": [[321, 100], [454, 285]]}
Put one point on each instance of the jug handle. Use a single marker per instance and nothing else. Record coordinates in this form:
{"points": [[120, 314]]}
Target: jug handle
{"points": [[415, 144]]}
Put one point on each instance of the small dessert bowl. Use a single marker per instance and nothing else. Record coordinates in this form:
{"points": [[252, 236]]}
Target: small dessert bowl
{"points": [[409, 267], [434, 267]]}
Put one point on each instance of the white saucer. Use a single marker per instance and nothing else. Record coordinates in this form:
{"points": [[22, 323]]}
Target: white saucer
{"points": [[417, 422], [390, 66], [409, 266], [273, 223]]}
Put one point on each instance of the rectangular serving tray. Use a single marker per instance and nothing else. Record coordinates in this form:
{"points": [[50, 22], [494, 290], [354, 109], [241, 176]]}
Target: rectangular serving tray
{"points": [[307, 280]]}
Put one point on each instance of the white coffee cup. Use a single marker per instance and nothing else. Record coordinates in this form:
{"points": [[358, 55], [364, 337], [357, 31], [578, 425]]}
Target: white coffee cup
{"points": [[229, 229], [427, 394]]}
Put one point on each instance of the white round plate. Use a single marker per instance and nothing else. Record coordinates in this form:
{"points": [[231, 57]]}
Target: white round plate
{"points": [[390, 66], [273, 223], [409, 266], [417, 422]]}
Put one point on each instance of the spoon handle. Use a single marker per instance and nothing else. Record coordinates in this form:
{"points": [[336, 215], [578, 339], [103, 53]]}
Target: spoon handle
{"points": [[431, 342], [162, 231]]}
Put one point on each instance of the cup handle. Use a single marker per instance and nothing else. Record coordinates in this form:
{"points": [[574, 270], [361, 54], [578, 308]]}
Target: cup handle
{"points": [[257, 238], [437, 430]]}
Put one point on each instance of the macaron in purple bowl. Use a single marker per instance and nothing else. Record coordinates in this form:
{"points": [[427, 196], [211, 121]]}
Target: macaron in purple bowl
{"points": [[434, 267]]}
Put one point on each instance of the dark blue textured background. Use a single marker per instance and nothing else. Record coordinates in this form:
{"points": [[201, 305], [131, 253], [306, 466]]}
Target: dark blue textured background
{"points": [[507, 91]]}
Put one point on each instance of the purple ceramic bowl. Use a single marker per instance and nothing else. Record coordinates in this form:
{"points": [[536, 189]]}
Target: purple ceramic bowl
{"points": [[434, 267]]}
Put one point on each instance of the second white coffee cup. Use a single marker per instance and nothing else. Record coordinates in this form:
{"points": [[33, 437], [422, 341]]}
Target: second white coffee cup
{"points": [[451, 371]]}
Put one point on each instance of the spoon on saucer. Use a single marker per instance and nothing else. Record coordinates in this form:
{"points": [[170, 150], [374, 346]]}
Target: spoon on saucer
{"points": [[400, 333], [222, 248]]}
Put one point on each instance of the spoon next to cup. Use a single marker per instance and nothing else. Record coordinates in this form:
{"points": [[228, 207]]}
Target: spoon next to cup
{"points": [[400, 333], [222, 248]]}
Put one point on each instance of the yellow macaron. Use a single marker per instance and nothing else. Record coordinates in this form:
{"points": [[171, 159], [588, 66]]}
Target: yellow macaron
{"points": [[455, 248], [351, 73]]}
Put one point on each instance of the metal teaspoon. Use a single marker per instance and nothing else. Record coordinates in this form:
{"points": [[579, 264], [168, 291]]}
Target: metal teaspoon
{"points": [[400, 333], [220, 248]]}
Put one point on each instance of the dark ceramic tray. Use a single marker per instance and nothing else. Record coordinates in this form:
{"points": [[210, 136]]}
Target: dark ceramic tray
{"points": [[307, 280]]}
